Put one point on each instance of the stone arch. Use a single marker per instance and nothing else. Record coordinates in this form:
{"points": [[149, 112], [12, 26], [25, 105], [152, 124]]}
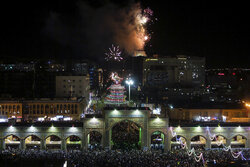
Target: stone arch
{"points": [[238, 134], [219, 134], [179, 136], [113, 122], [12, 141], [157, 139], [202, 135], [52, 134], [176, 145], [30, 134], [12, 134], [94, 139], [32, 141], [238, 141], [126, 134], [160, 130], [73, 142], [53, 142], [219, 138], [198, 142], [73, 134]]}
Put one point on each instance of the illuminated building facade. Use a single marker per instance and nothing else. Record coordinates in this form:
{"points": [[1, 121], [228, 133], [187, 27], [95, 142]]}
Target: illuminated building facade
{"points": [[42, 110], [52, 110], [9, 110], [208, 114], [72, 86], [153, 133]]}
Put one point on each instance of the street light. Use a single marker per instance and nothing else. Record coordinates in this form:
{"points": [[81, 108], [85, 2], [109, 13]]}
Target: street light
{"points": [[129, 82]]}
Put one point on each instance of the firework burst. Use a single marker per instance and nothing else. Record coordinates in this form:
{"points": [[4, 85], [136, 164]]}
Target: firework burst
{"points": [[143, 18], [114, 54]]}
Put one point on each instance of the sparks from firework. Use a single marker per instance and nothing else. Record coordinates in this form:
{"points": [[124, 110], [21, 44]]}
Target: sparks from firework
{"points": [[114, 54], [142, 19]]}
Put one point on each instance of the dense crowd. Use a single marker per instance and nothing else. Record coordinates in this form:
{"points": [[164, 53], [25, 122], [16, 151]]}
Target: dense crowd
{"points": [[114, 158]]}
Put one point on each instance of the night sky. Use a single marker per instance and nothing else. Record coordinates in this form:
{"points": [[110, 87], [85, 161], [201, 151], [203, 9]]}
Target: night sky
{"points": [[217, 30]]}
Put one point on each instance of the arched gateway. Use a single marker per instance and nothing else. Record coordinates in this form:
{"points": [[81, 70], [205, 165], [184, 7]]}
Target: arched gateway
{"points": [[126, 135], [128, 128]]}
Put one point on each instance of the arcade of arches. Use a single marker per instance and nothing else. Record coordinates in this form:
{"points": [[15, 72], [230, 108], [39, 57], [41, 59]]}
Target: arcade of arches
{"points": [[124, 135], [126, 129]]}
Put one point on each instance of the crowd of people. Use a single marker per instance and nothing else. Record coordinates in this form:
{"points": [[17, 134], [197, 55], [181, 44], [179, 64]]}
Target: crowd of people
{"points": [[116, 158]]}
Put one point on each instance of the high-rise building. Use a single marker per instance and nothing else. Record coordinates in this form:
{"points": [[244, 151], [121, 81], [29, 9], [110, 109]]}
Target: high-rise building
{"points": [[72, 86], [169, 72]]}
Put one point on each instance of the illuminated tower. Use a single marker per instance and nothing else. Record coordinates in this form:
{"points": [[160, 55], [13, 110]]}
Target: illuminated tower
{"points": [[117, 91]]}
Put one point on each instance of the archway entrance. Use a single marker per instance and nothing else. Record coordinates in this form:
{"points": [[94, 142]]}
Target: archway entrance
{"points": [[238, 141], [126, 135], [53, 142], [73, 143], [12, 142], [218, 141], [176, 142], [32, 142], [157, 141], [198, 142], [94, 140]]}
